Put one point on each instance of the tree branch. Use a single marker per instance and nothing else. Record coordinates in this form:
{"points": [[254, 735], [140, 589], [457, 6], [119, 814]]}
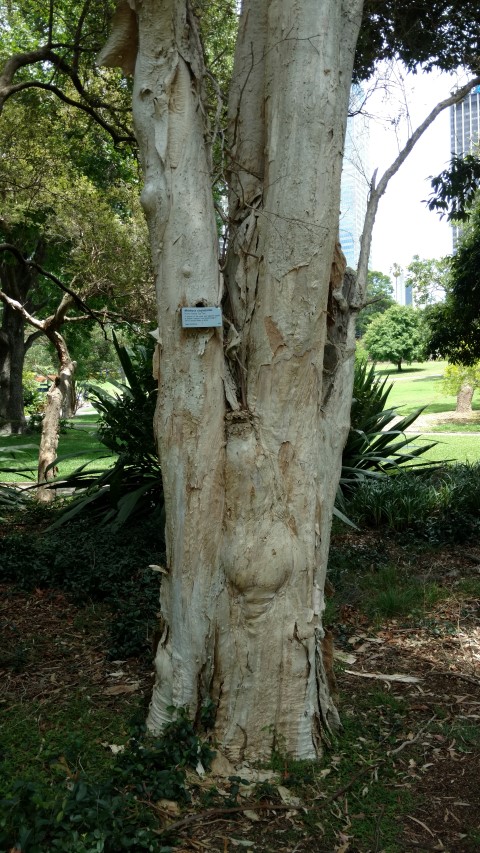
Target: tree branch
{"points": [[90, 105], [86, 108], [8, 247], [377, 191], [15, 305]]}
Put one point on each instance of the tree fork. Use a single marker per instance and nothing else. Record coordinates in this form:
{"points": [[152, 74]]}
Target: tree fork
{"points": [[249, 485]]}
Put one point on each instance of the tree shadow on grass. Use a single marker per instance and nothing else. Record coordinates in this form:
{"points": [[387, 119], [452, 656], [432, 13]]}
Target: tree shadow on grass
{"points": [[392, 371]]}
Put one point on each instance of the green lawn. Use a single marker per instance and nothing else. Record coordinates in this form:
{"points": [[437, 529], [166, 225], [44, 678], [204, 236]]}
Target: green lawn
{"points": [[417, 385], [420, 384], [456, 448], [77, 445]]}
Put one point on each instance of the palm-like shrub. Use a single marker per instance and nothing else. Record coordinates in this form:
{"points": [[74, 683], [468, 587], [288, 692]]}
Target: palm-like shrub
{"points": [[377, 443], [10, 463], [133, 486]]}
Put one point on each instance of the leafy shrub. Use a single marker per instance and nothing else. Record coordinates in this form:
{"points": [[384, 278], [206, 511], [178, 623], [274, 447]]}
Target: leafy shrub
{"points": [[126, 423], [397, 503], [443, 506], [94, 564], [33, 400], [458, 513]]}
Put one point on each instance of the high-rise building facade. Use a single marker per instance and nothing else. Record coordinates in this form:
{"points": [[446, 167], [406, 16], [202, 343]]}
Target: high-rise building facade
{"points": [[355, 181], [464, 132]]}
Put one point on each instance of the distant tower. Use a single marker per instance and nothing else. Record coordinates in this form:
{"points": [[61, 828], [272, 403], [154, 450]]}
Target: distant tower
{"points": [[402, 293], [464, 132], [355, 179]]}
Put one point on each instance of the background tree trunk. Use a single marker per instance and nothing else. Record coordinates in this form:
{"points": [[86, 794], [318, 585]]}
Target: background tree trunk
{"points": [[250, 442], [59, 391], [464, 399], [12, 355]]}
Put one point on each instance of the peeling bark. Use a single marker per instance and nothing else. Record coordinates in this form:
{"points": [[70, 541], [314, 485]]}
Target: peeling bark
{"points": [[58, 393], [251, 429]]}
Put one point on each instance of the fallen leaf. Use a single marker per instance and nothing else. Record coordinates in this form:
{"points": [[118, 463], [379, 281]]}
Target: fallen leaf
{"points": [[251, 815], [287, 797], [171, 808], [421, 824], [344, 656], [118, 689]]}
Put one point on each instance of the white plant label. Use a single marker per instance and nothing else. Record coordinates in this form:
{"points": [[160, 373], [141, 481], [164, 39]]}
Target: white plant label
{"points": [[201, 318]]}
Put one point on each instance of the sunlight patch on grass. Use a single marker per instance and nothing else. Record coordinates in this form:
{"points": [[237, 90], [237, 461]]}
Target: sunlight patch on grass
{"points": [[456, 448]]}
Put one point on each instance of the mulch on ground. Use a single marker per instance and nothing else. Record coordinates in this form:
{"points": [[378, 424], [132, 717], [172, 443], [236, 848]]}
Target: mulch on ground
{"points": [[421, 737]]}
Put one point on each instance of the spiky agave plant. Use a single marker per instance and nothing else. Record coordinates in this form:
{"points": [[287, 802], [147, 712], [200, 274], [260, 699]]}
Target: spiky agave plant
{"points": [[133, 486], [377, 443], [11, 463]]}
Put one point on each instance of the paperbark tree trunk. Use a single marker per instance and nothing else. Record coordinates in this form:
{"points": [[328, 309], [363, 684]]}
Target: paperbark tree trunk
{"points": [[250, 425], [58, 399], [292, 366]]}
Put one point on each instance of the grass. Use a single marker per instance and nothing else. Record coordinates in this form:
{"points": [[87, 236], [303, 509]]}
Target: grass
{"points": [[460, 425], [420, 384], [416, 370], [365, 786], [382, 592], [77, 445], [47, 741], [456, 448]]}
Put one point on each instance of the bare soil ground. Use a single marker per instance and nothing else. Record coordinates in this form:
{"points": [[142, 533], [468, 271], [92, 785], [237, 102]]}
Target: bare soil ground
{"points": [[404, 776]]}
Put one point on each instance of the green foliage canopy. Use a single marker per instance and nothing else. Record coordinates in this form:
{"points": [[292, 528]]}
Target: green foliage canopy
{"points": [[457, 375], [455, 324], [454, 190], [50, 46], [395, 336], [428, 279], [441, 34]]}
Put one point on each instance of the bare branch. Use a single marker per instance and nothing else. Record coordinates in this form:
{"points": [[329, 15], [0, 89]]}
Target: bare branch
{"points": [[77, 37], [377, 191], [15, 305], [50, 22]]}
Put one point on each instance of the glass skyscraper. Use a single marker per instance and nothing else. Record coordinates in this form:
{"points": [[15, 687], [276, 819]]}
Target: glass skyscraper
{"points": [[464, 132], [355, 180]]}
